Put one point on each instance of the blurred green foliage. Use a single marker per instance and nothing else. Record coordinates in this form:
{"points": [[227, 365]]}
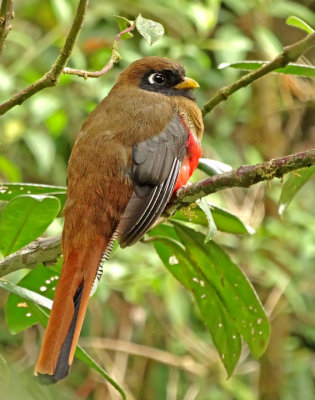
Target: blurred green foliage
{"points": [[138, 300]]}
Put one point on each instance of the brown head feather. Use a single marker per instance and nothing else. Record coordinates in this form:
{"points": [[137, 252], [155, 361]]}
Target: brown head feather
{"points": [[132, 75]]}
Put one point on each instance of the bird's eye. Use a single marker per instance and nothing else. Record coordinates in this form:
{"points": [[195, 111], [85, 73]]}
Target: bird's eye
{"points": [[157, 78]]}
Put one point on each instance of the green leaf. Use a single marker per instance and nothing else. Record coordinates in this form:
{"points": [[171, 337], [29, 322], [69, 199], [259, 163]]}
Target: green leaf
{"points": [[88, 360], [193, 215], [24, 219], [299, 23], [10, 190], [41, 280], [165, 238], [213, 167], [81, 354], [25, 293], [221, 326], [212, 231], [34, 301], [151, 31], [292, 185], [231, 286], [290, 69], [124, 23], [224, 220], [228, 222]]}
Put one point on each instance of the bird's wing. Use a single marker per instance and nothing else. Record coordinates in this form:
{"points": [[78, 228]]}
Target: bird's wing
{"points": [[156, 165]]}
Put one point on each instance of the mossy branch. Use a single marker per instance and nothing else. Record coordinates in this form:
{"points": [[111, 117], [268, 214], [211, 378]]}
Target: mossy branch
{"points": [[244, 176], [47, 250]]}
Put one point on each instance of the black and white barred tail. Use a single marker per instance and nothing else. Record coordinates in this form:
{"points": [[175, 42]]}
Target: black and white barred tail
{"points": [[104, 257]]}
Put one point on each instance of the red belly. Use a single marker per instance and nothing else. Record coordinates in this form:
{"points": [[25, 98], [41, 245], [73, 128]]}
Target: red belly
{"points": [[190, 162]]}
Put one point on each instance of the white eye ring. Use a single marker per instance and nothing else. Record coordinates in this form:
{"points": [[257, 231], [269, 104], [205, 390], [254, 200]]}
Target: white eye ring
{"points": [[152, 80]]}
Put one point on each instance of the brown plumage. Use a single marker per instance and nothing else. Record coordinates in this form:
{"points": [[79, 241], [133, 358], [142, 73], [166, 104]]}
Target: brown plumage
{"points": [[140, 144]]}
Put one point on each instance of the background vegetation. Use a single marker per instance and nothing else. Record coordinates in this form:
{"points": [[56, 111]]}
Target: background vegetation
{"points": [[138, 300]]}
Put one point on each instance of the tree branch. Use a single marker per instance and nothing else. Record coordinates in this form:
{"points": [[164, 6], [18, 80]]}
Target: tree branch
{"points": [[244, 176], [47, 250], [289, 54], [52, 77], [42, 250], [114, 58], [6, 15]]}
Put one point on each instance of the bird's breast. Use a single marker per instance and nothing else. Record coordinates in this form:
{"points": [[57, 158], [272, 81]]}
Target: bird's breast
{"points": [[193, 152], [98, 188]]}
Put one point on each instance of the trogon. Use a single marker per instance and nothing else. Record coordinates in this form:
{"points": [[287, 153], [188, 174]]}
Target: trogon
{"points": [[137, 147]]}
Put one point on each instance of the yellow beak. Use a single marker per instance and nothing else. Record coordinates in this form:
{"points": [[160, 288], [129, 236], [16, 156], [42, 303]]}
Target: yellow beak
{"points": [[187, 83]]}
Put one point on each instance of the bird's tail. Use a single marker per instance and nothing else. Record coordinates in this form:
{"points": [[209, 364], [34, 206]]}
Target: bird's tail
{"points": [[78, 274]]}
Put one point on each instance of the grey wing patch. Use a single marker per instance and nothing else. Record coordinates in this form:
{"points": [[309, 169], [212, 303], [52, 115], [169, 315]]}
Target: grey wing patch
{"points": [[156, 165], [153, 158], [141, 213]]}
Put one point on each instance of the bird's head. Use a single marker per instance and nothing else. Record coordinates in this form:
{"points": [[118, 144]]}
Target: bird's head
{"points": [[159, 75]]}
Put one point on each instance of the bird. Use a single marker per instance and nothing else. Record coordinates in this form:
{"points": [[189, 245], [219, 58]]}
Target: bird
{"points": [[137, 147]]}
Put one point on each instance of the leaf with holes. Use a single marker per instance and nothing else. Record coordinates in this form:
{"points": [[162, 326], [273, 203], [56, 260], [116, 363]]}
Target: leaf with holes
{"points": [[25, 293], [151, 31], [231, 286], [163, 236], [221, 326], [9, 191], [41, 280], [24, 219]]}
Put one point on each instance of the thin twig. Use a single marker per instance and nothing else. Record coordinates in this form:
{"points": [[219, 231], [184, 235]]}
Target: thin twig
{"points": [[289, 54], [48, 249], [51, 78], [114, 58], [185, 362], [275, 296], [6, 15]]}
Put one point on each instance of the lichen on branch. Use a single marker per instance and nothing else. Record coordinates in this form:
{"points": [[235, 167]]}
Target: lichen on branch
{"points": [[244, 176], [47, 250]]}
